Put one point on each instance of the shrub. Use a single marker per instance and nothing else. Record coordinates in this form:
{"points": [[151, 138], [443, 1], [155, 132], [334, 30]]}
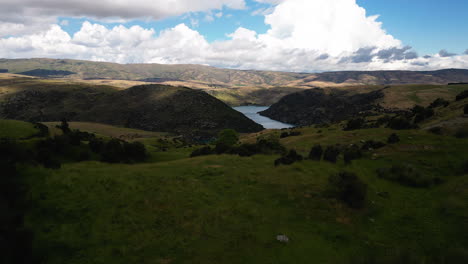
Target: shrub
{"points": [[436, 130], [371, 144], [423, 115], [400, 123], [316, 152], [113, 152], [135, 151], [462, 95], [202, 152], [348, 188], [393, 138], [356, 123], [465, 109], [351, 153], [382, 120], [462, 132], [331, 154], [64, 126], [406, 175], [289, 158], [439, 102], [96, 145], [465, 167], [290, 134], [227, 137]]}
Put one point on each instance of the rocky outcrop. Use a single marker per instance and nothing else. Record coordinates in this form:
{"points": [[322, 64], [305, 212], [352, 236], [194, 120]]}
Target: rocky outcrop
{"points": [[149, 107], [315, 106]]}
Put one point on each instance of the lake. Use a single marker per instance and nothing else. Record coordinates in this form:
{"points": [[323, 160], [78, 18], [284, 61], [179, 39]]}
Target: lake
{"points": [[252, 113]]}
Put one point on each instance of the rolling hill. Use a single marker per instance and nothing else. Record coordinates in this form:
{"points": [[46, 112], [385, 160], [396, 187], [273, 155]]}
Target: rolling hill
{"points": [[205, 77], [184, 111]]}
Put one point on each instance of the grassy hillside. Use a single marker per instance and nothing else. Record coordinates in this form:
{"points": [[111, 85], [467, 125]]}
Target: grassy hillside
{"points": [[180, 110], [16, 129], [230, 209]]}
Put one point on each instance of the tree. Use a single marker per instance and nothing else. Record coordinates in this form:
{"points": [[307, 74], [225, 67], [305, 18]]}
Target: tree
{"points": [[64, 126], [351, 153], [393, 138], [331, 154], [316, 152], [462, 95], [356, 123], [228, 137], [465, 109]]}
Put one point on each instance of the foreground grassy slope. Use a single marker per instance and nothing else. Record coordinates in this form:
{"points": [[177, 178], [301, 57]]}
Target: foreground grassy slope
{"points": [[16, 129], [228, 209]]}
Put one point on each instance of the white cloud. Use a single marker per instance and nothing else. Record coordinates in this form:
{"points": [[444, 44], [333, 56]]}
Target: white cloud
{"points": [[305, 36], [127, 9]]}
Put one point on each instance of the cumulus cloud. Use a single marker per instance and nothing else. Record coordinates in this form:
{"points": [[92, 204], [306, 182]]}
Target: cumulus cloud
{"points": [[445, 53], [304, 36]]}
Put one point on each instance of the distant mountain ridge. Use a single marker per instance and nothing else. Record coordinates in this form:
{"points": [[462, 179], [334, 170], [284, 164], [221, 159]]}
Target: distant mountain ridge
{"points": [[213, 77]]}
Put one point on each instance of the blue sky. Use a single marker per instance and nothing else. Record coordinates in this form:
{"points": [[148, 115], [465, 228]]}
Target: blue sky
{"points": [[426, 25], [290, 35]]}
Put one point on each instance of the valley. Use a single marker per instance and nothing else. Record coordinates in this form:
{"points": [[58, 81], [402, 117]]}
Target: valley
{"points": [[134, 172]]}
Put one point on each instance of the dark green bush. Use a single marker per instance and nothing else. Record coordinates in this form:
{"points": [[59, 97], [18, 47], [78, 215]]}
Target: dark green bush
{"points": [[462, 95], [348, 188], [331, 154], [290, 134], [96, 145], [436, 130], [352, 153], [439, 102], [393, 138], [400, 123], [227, 137], [135, 151], [371, 144], [356, 123], [316, 152], [406, 175], [462, 132], [425, 114], [202, 152], [289, 158]]}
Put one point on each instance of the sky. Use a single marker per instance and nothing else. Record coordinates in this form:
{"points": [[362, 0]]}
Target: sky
{"points": [[279, 35]]}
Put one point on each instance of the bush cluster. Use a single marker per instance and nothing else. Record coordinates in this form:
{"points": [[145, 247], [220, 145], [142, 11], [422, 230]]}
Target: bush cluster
{"points": [[400, 123], [439, 102], [462, 95], [371, 145], [351, 153], [290, 134], [316, 153], [289, 158], [393, 138], [331, 154], [262, 146], [421, 113], [356, 123], [406, 175]]}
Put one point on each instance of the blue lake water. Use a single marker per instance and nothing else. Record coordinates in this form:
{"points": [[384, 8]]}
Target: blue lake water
{"points": [[252, 113]]}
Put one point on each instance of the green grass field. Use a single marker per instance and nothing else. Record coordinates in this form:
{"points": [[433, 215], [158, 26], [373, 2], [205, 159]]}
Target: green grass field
{"points": [[16, 129], [228, 209]]}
